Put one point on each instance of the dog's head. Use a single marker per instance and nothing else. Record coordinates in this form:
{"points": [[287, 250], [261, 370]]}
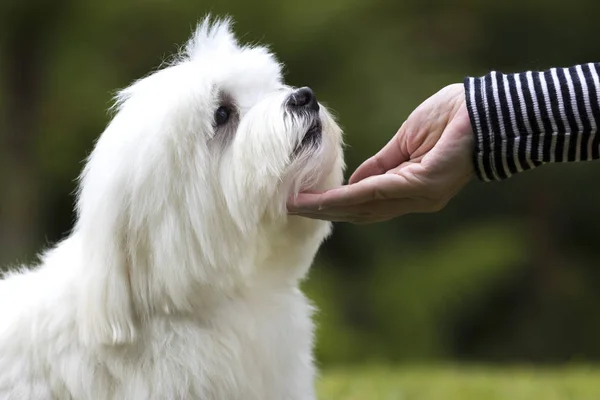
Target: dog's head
{"points": [[185, 191]]}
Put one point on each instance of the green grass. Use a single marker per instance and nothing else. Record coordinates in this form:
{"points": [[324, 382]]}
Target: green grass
{"points": [[460, 383]]}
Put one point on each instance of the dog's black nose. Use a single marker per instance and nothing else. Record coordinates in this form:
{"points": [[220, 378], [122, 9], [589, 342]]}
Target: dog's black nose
{"points": [[304, 98]]}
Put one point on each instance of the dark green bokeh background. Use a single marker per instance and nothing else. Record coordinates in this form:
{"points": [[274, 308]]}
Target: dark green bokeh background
{"points": [[507, 272]]}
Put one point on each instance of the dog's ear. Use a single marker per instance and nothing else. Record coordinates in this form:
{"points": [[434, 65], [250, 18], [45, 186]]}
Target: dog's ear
{"points": [[211, 36], [105, 309]]}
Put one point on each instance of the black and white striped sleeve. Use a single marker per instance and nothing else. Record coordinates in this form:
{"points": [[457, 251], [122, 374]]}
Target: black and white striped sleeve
{"points": [[524, 120]]}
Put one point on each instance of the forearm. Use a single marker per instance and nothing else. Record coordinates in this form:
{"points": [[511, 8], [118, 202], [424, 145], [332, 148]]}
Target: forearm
{"points": [[526, 119]]}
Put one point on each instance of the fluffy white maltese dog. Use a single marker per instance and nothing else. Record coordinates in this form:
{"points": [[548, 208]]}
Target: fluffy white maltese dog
{"points": [[180, 279]]}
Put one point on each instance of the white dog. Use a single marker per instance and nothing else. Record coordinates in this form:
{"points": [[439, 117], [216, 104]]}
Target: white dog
{"points": [[180, 279]]}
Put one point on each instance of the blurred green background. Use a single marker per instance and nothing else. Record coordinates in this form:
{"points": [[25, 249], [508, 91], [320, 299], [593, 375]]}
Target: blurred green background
{"points": [[506, 273]]}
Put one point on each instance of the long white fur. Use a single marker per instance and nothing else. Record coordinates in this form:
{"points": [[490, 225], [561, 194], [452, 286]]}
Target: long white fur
{"points": [[180, 279]]}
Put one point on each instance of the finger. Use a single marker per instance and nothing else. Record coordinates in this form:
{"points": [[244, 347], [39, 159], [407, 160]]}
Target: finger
{"points": [[325, 217], [370, 167], [374, 188], [372, 220], [390, 156], [383, 208], [374, 211], [381, 187], [304, 201], [351, 220]]}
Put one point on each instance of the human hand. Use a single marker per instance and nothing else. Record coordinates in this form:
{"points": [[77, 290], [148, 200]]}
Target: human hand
{"points": [[425, 164]]}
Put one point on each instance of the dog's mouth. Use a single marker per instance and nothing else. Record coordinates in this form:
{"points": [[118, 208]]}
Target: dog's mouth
{"points": [[312, 137], [310, 161]]}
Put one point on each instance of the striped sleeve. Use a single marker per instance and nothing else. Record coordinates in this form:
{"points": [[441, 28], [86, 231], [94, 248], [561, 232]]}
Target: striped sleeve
{"points": [[524, 120]]}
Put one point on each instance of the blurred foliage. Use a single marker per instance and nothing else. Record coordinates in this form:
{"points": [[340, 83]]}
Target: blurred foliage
{"points": [[507, 272]]}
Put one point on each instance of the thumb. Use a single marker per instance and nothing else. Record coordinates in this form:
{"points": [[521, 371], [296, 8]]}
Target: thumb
{"points": [[386, 159], [369, 168]]}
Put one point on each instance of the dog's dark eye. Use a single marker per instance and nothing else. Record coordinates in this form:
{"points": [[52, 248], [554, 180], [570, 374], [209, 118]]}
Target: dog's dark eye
{"points": [[222, 115]]}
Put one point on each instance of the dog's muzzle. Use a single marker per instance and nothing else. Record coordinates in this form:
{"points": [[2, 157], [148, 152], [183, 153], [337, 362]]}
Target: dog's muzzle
{"points": [[304, 102]]}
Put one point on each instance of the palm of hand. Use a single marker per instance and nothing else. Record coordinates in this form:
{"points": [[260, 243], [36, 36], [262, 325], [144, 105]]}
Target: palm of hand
{"points": [[426, 163]]}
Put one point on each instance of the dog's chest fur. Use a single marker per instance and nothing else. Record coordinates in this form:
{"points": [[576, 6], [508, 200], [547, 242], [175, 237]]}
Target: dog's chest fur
{"points": [[259, 347]]}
